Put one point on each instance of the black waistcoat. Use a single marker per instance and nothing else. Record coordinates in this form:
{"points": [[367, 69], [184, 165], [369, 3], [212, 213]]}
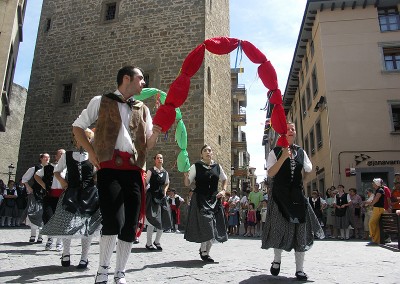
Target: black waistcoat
{"points": [[157, 182], [287, 192], [207, 178], [74, 177]]}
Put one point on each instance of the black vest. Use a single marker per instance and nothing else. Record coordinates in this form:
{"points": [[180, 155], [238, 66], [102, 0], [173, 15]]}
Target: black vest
{"points": [[157, 182], [48, 176], [10, 202], [74, 177], [316, 206], [207, 178], [287, 192]]}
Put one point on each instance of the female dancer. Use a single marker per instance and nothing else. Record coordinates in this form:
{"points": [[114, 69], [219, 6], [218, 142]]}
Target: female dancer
{"points": [[291, 222], [206, 220], [82, 220], [157, 180]]}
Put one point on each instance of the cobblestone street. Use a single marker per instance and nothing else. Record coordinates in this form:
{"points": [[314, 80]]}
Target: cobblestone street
{"points": [[240, 260]]}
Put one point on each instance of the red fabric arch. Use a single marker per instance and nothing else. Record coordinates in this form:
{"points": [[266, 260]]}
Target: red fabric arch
{"points": [[179, 89]]}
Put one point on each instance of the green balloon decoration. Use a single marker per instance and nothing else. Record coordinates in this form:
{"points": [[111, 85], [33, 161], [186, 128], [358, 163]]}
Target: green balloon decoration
{"points": [[183, 161], [180, 132], [181, 135]]}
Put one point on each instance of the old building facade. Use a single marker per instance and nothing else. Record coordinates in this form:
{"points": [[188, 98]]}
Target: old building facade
{"points": [[82, 44], [12, 14], [343, 92]]}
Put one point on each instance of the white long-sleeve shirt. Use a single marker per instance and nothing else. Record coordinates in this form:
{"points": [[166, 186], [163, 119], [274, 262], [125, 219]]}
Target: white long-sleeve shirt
{"points": [[124, 140]]}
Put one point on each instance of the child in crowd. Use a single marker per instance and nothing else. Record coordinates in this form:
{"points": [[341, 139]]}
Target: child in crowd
{"points": [[263, 213], [233, 219], [251, 221]]}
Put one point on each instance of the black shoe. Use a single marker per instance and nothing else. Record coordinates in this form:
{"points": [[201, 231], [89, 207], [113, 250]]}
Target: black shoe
{"points": [[150, 247], [206, 258], [300, 275], [83, 264], [275, 271], [136, 241], [32, 239], [39, 240], [65, 261], [158, 246]]}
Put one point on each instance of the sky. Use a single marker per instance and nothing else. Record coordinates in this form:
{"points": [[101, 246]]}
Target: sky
{"points": [[271, 25]]}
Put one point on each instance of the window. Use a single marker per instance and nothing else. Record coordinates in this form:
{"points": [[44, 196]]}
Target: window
{"points": [[391, 56], [219, 140], [306, 62], [48, 25], [303, 105], [306, 145], [110, 11], [314, 82], [395, 117], [312, 48], [301, 77], [314, 185], [321, 186], [318, 133], [66, 93], [312, 141], [389, 19], [308, 94], [146, 78]]}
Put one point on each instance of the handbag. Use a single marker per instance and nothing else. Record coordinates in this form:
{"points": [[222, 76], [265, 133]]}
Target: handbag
{"points": [[84, 201]]}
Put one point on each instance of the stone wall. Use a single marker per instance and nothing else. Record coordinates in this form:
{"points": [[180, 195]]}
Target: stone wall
{"points": [[81, 49], [10, 139]]}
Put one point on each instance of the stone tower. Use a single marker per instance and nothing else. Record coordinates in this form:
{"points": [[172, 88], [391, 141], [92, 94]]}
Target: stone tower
{"points": [[82, 44]]}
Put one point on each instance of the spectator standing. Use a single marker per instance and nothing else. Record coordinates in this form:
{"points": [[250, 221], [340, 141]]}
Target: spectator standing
{"points": [[396, 196], [368, 211], [236, 200], [342, 213], [22, 203], [255, 197], [355, 213], [377, 211], [9, 209], [330, 213], [251, 220], [244, 204], [264, 205], [233, 218]]}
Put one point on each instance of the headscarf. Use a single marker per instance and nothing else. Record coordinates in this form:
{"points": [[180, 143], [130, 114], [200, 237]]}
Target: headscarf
{"points": [[377, 181]]}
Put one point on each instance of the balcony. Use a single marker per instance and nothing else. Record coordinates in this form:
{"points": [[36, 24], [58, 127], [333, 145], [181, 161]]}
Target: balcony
{"points": [[239, 94], [240, 146], [240, 172], [238, 119]]}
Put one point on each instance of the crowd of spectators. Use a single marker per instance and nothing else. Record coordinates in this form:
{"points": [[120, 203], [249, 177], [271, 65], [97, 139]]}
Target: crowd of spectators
{"points": [[13, 203]]}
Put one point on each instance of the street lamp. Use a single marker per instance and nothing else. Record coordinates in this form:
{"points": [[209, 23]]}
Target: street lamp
{"points": [[232, 172], [10, 171]]}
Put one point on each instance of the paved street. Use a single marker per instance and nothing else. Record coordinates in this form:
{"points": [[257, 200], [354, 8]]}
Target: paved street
{"points": [[240, 260]]}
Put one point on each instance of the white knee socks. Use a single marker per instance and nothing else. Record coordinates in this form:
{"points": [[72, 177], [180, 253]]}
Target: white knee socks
{"points": [[158, 236], [107, 245], [299, 257], [85, 247], [123, 252], [67, 246], [277, 258], [150, 229]]}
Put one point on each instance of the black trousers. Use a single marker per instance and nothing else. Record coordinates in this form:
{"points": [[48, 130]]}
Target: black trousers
{"points": [[49, 207], [119, 199]]}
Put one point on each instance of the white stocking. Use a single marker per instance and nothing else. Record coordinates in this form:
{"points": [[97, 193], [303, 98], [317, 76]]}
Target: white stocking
{"points": [[299, 257]]}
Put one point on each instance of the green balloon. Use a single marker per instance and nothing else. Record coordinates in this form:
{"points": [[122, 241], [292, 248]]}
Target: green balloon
{"points": [[178, 114], [183, 161], [181, 135]]}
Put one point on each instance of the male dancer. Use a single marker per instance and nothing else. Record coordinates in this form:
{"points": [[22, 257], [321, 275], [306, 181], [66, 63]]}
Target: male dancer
{"points": [[124, 133], [35, 198], [53, 188]]}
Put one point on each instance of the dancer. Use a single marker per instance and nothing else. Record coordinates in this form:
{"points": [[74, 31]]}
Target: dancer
{"points": [[76, 216], [35, 198], [291, 222], [157, 180], [124, 133], [45, 177], [206, 220], [175, 201]]}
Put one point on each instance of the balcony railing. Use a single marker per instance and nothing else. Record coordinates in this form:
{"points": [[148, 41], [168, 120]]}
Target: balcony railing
{"points": [[241, 146], [239, 119]]}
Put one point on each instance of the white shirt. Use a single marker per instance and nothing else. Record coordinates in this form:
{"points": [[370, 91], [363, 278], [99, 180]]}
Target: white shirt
{"points": [[148, 175], [348, 198], [28, 175], [124, 140], [173, 199], [307, 165], [192, 173], [5, 192], [55, 183]]}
